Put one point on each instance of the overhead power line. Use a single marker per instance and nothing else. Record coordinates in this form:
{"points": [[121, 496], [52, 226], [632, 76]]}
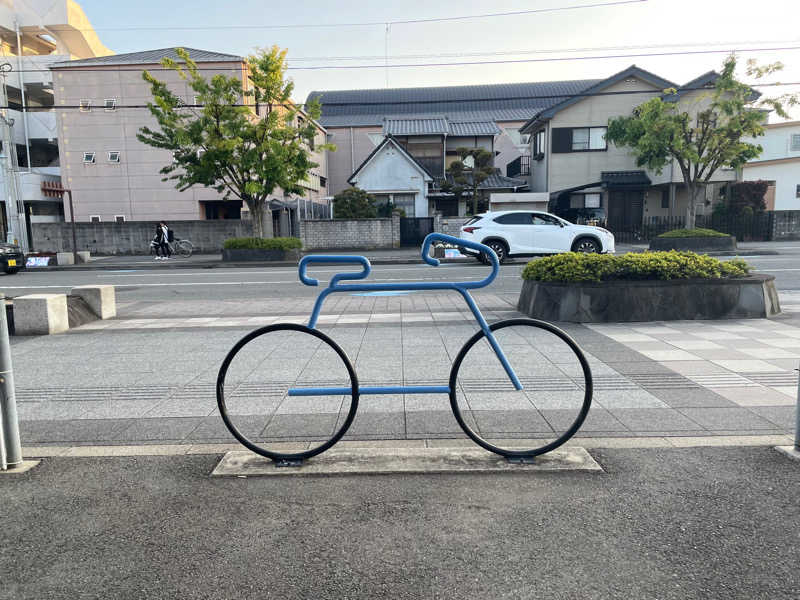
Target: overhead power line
{"points": [[514, 13], [499, 99], [104, 67]]}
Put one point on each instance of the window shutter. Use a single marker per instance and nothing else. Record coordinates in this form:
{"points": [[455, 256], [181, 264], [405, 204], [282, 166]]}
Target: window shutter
{"points": [[562, 139]]}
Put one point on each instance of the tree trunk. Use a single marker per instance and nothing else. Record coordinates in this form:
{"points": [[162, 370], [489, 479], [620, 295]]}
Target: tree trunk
{"points": [[475, 200], [257, 214], [692, 193]]}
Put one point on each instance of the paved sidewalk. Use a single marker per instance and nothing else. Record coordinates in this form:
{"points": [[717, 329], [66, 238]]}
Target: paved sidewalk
{"points": [[149, 377]]}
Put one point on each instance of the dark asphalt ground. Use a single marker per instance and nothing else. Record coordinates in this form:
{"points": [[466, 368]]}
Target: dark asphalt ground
{"points": [[694, 523]]}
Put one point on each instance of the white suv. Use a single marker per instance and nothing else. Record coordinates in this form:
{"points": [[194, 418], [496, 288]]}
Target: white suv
{"points": [[526, 233]]}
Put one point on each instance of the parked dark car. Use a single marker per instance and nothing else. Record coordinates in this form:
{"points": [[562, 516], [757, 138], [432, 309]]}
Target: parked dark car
{"points": [[12, 259]]}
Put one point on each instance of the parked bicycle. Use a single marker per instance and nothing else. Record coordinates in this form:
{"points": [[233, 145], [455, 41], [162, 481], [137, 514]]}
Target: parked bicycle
{"points": [[516, 378], [179, 247]]}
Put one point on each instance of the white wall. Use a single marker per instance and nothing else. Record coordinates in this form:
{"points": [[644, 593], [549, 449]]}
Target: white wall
{"points": [[776, 141], [389, 171], [786, 176]]}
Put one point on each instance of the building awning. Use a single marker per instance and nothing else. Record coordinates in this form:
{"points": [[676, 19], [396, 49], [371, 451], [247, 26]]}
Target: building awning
{"points": [[616, 179], [575, 189]]}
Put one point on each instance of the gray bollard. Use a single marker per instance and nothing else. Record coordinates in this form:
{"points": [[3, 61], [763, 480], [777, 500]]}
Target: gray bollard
{"points": [[12, 449]]}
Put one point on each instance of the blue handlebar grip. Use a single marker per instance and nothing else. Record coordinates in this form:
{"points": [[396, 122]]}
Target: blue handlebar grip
{"points": [[334, 258]]}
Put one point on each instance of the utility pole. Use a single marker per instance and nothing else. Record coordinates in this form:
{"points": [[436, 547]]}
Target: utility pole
{"points": [[18, 233]]}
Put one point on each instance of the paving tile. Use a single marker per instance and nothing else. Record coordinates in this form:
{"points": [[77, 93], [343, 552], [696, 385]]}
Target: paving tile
{"points": [[45, 411], [383, 423], [790, 391], [555, 400], [431, 422], [183, 408], [214, 428], [83, 430], [691, 398], [644, 367], [713, 335], [782, 416], [654, 419], [634, 398], [598, 419], [765, 352], [493, 422], [748, 366], [176, 428], [631, 337], [755, 396], [695, 367], [501, 401], [669, 355], [780, 342], [727, 419], [428, 402], [696, 345], [656, 330], [724, 354], [298, 425]]}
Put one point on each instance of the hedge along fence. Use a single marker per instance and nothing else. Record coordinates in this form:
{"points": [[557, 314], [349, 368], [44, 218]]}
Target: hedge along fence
{"points": [[251, 243], [686, 233], [572, 267]]}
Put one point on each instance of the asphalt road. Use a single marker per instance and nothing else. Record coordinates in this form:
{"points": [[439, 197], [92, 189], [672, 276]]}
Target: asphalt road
{"points": [[260, 282], [659, 523]]}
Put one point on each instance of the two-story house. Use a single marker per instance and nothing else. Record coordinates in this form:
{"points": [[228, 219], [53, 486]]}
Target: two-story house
{"points": [[430, 124], [114, 176], [779, 163], [587, 177]]}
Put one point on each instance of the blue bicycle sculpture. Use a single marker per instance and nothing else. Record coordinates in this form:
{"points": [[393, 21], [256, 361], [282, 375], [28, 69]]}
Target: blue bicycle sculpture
{"points": [[490, 378]]}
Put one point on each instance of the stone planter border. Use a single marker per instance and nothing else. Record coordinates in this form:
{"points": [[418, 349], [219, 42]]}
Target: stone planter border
{"points": [[259, 255], [626, 301], [695, 244]]}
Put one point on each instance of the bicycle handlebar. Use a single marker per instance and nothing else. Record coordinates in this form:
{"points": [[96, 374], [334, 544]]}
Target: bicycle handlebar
{"points": [[432, 237], [334, 258]]}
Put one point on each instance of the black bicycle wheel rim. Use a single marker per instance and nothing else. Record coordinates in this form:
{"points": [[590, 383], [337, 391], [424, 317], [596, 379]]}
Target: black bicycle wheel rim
{"points": [[247, 443], [568, 433]]}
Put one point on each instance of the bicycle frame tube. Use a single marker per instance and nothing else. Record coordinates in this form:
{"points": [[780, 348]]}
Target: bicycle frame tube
{"points": [[461, 287]]}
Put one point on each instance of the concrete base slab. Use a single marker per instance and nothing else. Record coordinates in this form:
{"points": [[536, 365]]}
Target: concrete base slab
{"points": [[789, 451], [23, 467], [374, 461]]}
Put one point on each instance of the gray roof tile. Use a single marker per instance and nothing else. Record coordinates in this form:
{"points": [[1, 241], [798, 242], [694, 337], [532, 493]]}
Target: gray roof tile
{"points": [[149, 57], [438, 126], [498, 102]]}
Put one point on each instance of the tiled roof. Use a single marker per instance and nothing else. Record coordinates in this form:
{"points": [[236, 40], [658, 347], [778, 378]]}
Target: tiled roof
{"points": [[495, 181], [438, 126], [149, 57], [624, 178], [416, 126], [498, 102]]}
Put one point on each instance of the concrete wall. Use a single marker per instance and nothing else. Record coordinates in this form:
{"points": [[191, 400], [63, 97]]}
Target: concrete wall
{"points": [[133, 237], [450, 225], [786, 225], [321, 234]]}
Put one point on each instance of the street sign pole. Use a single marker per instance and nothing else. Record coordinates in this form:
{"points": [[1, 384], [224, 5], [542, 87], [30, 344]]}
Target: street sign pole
{"points": [[12, 448]]}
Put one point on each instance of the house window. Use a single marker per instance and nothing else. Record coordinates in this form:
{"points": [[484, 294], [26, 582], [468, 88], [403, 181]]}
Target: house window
{"points": [[113, 156], [119, 218], [664, 198], [85, 105], [94, 218], [88, 158], [797, 191], [323, 181], [110, 104], [538, 144], [794, 144], [579, 139], [591, 200]]}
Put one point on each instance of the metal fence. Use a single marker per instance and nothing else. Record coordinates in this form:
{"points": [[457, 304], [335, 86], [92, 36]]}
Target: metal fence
{"points": [[756, 227]]}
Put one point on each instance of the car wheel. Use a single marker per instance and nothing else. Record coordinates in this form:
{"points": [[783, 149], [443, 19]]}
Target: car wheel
{"points": [[586, 245], [11, 271], [499, 249]]}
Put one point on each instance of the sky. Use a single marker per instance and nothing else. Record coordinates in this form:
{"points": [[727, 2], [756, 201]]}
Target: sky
{"points": [[348, 33]]}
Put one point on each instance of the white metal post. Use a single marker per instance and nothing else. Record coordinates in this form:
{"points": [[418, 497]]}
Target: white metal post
{"points": [[12, 448]]}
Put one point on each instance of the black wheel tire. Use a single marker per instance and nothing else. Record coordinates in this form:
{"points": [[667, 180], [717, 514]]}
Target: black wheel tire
{"points": [[499, 248], [11, 270], [184, 249], [279, 456], [586, 246], [587, 397]]}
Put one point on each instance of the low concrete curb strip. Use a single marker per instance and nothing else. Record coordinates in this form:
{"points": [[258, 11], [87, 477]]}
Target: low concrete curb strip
{"points": [[382, 461]]}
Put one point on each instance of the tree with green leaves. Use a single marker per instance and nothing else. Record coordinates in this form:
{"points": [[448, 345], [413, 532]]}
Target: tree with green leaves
{"points": [[475, 165], [223, 144], [703, 135], [354, 203]]}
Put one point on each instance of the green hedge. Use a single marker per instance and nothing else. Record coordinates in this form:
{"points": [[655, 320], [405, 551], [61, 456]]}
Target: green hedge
{"points": [[573, 267], [250, 243], [684, 233]]}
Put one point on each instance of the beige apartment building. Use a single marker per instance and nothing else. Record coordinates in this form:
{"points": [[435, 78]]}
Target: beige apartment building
{"points": [[35, 34], [101, 105]]}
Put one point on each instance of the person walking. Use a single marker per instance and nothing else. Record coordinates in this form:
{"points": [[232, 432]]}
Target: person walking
{"points": [[162, 238]]}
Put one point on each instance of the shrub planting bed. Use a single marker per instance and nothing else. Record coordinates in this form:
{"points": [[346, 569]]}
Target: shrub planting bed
{"points": [[261, 249]]}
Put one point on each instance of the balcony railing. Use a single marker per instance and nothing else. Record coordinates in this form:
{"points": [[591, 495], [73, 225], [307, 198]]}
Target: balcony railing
{"points": [[519, 167], [433, 164]]}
